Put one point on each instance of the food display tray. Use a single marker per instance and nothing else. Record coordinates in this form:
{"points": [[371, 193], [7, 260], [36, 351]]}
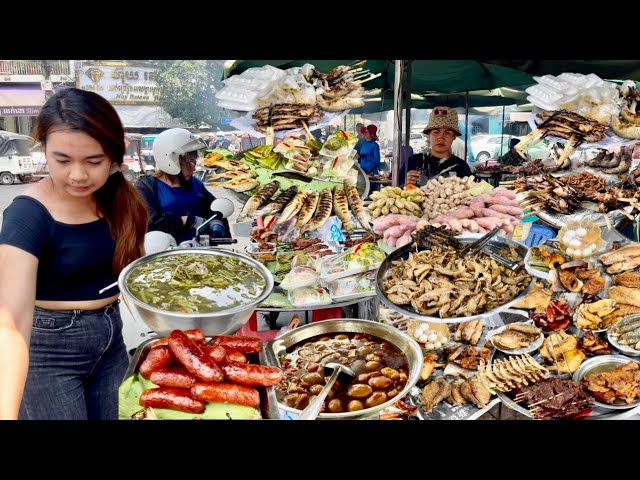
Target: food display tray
{"points": [[402, 253], [268, 402]]}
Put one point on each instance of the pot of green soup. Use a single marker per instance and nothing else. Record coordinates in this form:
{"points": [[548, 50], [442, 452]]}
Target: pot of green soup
{"points": [[214, 290]]}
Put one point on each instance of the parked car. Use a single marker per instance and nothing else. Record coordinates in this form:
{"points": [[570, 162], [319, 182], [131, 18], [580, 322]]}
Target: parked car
{"points": [[485, 147]]}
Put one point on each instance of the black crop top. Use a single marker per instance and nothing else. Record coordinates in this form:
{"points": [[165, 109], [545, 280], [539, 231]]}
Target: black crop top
{"points": [[74, 260]]}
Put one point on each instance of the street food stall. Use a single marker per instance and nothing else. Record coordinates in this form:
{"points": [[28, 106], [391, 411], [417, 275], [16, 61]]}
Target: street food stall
{"points": [[472, 316]]}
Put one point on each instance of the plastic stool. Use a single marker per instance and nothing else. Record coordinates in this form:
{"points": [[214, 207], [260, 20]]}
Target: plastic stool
{"points": [[538, 234]]}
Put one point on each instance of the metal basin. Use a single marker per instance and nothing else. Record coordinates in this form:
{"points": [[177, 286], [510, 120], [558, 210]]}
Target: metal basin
{"points": [[403, 253], [224, 322], [407, 345]]}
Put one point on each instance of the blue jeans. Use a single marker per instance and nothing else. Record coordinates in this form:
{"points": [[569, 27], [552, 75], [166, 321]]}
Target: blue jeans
{"points": [[77, 361]]}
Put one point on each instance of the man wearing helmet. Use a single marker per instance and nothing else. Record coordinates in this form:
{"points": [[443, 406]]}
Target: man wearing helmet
{"points": [[178, 202]]}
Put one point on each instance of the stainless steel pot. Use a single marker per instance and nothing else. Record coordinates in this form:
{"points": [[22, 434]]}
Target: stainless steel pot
{"points": [[224, 322], [407, 345]]}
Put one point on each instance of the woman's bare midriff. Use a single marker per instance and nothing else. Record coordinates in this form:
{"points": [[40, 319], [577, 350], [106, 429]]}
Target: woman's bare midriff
{"points": [[76, 304]]}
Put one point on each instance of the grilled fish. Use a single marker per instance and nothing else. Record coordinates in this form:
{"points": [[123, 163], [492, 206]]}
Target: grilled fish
{"points": [[231, 174], [356, 205], [264, 194], [293, 206], [278, 203], [323, 211], [341, 208], [307, 210], [238, 184], [229, 164]]}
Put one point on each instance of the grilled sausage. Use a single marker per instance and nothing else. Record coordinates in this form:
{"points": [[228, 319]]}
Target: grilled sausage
{"points": [[234, 355], [159, 357], [251, 374], [242, 344], [193, 358], [217, 353], [177, 377], [174, 398], [196, 335], [226, 393]]}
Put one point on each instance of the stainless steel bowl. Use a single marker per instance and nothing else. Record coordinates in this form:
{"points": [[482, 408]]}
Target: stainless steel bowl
{"points": [[605, 363], [224, 322], [403, 253], [407, 345]]}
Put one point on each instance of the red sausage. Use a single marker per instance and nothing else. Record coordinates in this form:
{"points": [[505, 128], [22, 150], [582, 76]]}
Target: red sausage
{"points": [[251, 374], [242, 344], [193, 358], [174, 398], [227, 393], [217, 353], [159, 357], [177, 377], [234, 355], [196, 335]]}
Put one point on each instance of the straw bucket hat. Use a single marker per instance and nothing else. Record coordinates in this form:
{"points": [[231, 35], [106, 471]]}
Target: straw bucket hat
{"points": [[443, 117]]}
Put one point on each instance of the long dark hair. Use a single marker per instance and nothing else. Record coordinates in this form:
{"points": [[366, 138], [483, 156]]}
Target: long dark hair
{"points": [[121, 204]]}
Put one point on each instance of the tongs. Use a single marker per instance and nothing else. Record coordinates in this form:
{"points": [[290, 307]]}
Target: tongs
{"points": [[481, 243]]}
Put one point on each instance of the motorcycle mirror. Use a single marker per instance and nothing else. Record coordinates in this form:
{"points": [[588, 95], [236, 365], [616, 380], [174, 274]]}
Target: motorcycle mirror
{"points": [[224, 206]]}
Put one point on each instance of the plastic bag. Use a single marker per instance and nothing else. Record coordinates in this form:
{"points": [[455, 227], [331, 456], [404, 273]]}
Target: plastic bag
{"points": [[331, 231]]}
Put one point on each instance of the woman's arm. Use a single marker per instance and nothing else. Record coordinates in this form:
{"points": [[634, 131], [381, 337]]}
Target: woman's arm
{"points": [[18, 273]]}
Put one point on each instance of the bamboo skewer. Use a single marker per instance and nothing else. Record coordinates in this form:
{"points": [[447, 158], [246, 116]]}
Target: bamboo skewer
{"points": [[377, 99], [606, 219], [307, 131]]}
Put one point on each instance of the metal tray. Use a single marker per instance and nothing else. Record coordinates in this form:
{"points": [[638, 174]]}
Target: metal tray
{"points": [[268, 402], [402, 253], [605, 363]]}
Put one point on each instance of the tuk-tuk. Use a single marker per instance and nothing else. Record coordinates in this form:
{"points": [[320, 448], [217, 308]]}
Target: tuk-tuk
{"points": [[15, 157]]}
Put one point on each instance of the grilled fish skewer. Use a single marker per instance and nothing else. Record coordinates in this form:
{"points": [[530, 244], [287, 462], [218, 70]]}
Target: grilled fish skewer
{"points": [[293, 207], [356, 205], [307, 210], [264, 194], [323, 211], [239, 184], [341, 208], [278, 203]]}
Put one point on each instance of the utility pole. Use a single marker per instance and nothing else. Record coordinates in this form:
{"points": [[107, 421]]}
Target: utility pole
{"points": [[46, 83]]}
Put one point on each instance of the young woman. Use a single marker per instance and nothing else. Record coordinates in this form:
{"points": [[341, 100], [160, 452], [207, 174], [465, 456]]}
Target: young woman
{"points": [[62, 241], [369, 152]]}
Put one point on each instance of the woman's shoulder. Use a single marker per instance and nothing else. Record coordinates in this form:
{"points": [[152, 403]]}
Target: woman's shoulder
{"points": [[29, 205]]}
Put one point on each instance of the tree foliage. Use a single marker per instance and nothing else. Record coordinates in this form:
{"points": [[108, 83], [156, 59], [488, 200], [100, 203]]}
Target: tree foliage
{"points": [[187, 90]]}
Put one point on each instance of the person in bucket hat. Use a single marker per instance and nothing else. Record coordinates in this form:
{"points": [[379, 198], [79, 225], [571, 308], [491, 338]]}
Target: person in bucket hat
{"points": [[442, 130], [369, 152]]}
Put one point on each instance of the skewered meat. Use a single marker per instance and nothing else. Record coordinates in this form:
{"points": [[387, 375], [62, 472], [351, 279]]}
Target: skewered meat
{"points": [[256, 201], [555, 398]]}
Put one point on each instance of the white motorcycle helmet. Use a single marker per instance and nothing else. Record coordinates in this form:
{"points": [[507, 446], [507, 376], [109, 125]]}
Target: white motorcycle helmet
{"points": [[170, 144]]}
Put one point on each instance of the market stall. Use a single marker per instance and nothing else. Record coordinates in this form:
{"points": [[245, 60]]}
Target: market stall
{"points": [[548, 330]]}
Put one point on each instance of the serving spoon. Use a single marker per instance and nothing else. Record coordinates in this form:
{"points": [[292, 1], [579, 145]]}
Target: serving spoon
{"points": [[313, 409]]}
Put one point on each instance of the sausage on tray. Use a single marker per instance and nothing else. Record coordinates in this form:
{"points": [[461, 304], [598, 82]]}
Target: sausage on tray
{"points": [[196, 335], [227, 393], [177, 377], [242, 344], [234, 355], [252, 374], [157, 358], [217, 353], [193, 358], [173, 398]]}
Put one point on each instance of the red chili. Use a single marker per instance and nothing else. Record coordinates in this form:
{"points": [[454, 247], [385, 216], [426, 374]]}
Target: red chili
{"points": [[344, 134], [335, 162]]}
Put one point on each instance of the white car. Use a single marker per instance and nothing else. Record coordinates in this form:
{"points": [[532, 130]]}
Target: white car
{"points": [[487, 147]]}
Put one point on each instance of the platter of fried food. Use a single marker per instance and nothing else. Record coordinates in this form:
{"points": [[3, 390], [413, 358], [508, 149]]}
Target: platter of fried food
{"points": [[516, 338], [430, 281], [613, 380], [625, 335]]}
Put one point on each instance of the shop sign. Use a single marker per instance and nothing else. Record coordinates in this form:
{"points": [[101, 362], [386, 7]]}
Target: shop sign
{"points": [[121, 85], [19, 111]]}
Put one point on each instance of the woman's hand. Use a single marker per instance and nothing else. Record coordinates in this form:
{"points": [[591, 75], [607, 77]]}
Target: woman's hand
{"points": [[412, 177]]}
